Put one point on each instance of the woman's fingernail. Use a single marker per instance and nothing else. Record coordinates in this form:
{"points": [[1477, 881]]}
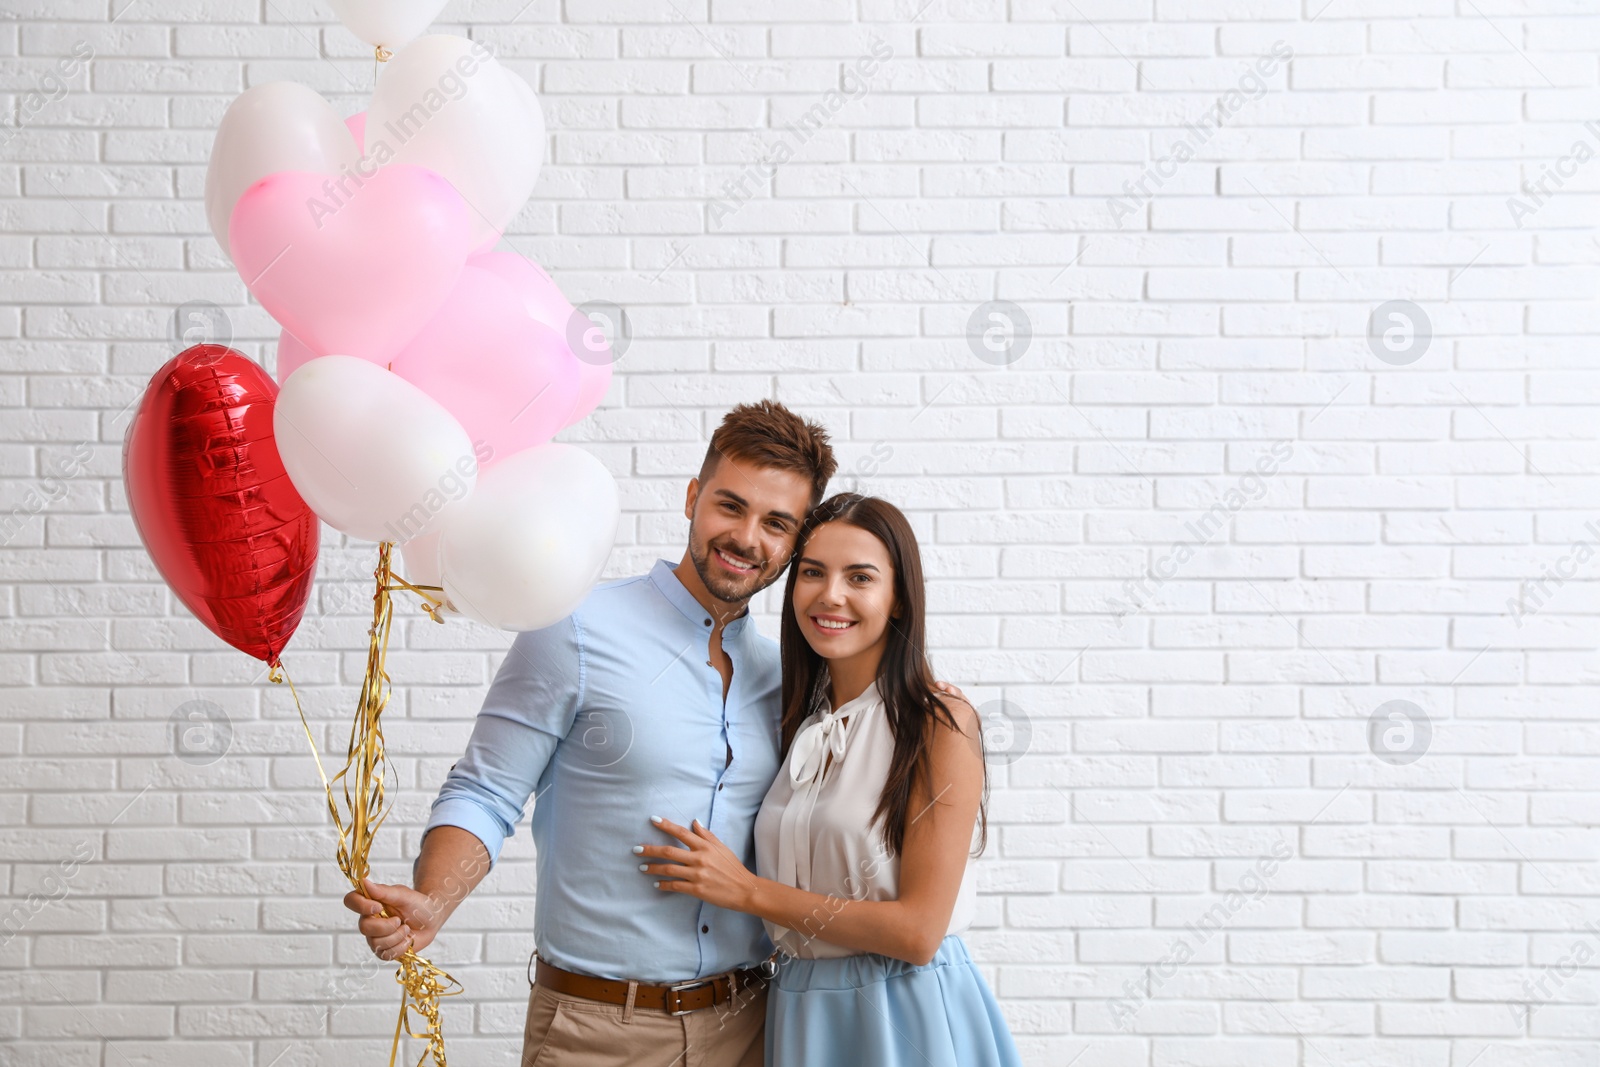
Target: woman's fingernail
{"points": [[637, 849], [656, 884], [655, 818], [644, 866]]}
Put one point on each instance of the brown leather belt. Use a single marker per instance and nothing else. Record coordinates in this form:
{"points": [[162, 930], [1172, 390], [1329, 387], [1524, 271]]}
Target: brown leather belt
{"points": [[678, 998]]}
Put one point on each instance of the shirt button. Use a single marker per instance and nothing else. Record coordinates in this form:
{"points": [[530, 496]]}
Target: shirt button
{"points": [[708, 622], [705, 929], [719, 786]]}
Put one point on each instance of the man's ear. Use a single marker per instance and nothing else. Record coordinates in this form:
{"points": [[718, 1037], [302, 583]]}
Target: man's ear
{"points": [[690, 497]]}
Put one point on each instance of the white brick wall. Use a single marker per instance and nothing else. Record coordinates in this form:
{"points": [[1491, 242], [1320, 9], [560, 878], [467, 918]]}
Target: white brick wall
{"points": [[176, 913]]}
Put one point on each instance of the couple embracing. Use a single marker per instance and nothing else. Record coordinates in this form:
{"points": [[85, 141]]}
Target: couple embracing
{"points": [[747, 853]]}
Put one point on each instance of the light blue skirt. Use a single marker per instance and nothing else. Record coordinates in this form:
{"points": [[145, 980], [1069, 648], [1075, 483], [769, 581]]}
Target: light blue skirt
{"points": [[873, 1009]]}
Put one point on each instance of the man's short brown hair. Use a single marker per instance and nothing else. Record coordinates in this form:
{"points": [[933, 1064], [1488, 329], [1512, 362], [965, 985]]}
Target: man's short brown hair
{"points": [[767, 434]]}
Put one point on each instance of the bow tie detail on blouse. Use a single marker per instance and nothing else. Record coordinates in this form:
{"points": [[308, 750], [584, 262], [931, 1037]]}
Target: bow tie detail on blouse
{"points": [[811, 745]]}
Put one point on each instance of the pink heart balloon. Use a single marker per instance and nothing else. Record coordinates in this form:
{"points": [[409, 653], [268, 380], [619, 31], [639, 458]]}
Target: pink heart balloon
{"points": [[539, 293], [510, 381], [545, 302], [356, 271]]}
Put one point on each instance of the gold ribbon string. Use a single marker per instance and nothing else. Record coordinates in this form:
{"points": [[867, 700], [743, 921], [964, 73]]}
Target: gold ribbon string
{"points": [[422, 984], [430, 604]]}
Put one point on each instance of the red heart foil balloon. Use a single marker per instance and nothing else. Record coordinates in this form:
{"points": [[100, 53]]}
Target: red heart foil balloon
{"points": [[212, 502]]}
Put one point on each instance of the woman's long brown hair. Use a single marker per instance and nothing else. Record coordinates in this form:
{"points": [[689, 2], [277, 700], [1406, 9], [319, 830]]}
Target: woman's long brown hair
{"points": [[905, 680]]}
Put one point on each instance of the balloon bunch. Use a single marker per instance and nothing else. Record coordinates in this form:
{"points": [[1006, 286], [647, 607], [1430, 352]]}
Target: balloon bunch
{"points": [[419, 367], [421, 378]]}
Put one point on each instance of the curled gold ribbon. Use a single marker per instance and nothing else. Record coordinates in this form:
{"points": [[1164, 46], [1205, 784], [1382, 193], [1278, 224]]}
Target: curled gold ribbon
{"points": [[422, 984]]}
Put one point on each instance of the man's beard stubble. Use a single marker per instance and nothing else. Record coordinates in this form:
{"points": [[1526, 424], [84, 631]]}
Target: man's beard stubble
{"points": [[717, 581]]}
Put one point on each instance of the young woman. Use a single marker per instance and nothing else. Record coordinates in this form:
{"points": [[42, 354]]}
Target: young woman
{"points": [[863, 840]]}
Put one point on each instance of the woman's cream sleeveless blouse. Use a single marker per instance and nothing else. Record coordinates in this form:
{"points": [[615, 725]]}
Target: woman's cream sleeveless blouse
{"points": [[812, 831]]}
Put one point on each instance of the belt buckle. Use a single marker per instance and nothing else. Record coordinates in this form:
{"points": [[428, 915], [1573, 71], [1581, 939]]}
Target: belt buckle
{"points": [[768, 968], [677, 987]]}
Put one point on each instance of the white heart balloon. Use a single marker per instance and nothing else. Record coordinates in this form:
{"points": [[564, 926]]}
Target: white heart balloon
{"points": [[387, 23], [445, 103], [268, 128], [523, 551], [374, 456]]}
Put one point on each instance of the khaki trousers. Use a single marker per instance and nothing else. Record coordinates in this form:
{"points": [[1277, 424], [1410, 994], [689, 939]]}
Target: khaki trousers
{"points": [[568, 1031]]}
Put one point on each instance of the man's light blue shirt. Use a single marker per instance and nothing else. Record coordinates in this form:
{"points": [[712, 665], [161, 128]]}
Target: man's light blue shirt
{"points": [[608, 717]]}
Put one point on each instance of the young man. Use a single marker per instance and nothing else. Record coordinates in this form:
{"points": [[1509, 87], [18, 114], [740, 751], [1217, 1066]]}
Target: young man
{"points": [[656, 696]]}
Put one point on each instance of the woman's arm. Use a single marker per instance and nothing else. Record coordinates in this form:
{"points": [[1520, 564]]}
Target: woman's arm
{"points": [[937, 840]]}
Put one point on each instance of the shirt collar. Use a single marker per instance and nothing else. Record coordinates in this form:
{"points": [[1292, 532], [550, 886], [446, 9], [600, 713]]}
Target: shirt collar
{"points": [[664, 577]]}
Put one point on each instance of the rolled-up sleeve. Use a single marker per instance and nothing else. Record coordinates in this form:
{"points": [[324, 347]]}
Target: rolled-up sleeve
{"points": [[530, 707]]}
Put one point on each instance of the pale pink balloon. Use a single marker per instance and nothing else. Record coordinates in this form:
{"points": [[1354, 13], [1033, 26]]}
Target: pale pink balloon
{"points": [[488, 243], [358, 128], [594, 367], [545, 302], [356, 271], [509, 380], [539, 293], [292, 355]]}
